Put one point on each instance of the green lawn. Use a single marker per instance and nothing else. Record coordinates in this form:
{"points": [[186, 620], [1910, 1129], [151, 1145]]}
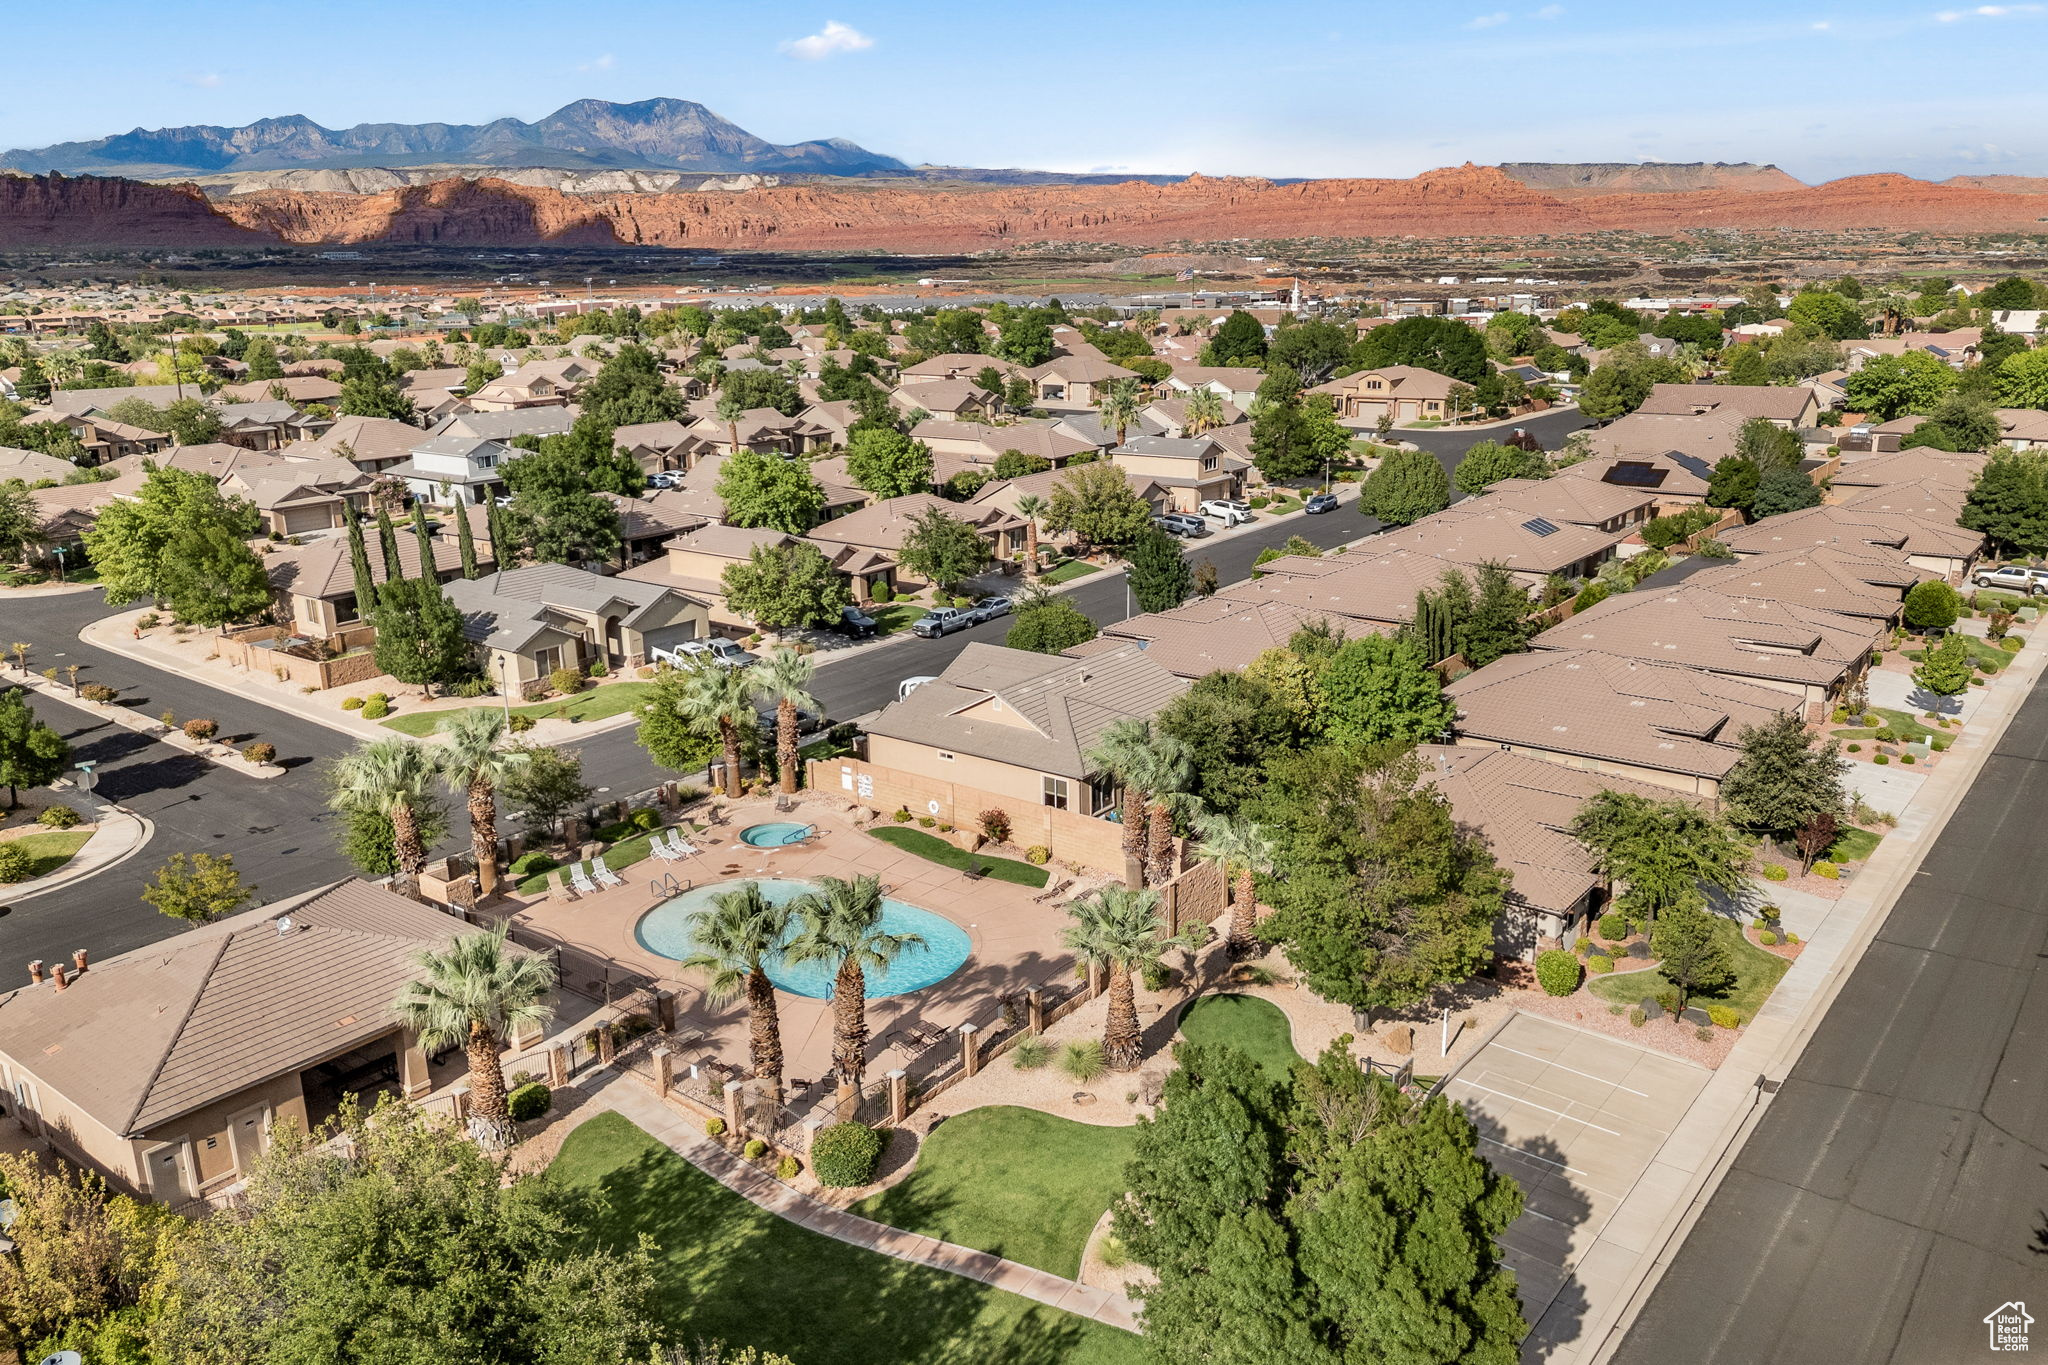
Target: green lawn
{"points": [[1068, 572], [595, 704], [894, 617], [620, 855], [1251, 1025], [728, 1271], [1018, 1183], [1756, 972], [1853, 845], [1904, 724], [49, 850], [1983, 651], [935, 849]]}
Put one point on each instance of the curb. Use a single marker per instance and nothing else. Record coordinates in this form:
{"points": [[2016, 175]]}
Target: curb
{"points": [[217, 754], [111, 817]]}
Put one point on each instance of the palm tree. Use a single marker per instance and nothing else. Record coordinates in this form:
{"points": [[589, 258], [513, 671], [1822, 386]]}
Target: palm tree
{"points": [[1204, 411], [842, 924], [719, 700], [1118, 403], [393, 778], [478, 992], [734, 938], [1165, 771], [730, 410], [1119, 929], [475, 766], [1236, 844], [1031, 507], [1120, 752], [784, 678]]}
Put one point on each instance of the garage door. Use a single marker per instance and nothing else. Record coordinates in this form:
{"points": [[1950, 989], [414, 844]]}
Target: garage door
{"points": [[298, 520]]}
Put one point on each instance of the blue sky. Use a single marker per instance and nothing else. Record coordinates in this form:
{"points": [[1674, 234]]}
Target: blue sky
{"points": [[1281, 88]]}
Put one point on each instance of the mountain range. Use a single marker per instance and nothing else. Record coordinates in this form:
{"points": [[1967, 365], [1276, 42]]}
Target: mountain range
{"points": [[657, 134]]}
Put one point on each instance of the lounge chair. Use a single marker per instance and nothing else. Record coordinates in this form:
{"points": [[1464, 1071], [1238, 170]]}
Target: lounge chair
{"points": [[605, 876], [682, 847], [581, 880], [660, 847]]}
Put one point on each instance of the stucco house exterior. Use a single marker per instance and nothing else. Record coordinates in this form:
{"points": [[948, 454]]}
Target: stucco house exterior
{"points": [[533, 620]]}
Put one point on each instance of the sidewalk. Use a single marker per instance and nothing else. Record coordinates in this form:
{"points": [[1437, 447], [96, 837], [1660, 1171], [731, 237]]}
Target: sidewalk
{"points": [[1650, 1223], [119, 835], [220, 755], [630, 1096]]}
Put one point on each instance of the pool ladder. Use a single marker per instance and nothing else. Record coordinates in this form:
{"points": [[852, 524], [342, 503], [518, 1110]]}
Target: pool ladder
{"points": [[667, 886]]}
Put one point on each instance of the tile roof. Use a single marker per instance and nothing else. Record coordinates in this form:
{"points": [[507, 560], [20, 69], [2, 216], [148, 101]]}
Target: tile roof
{"points": [[1225, 633], [505, 610], [1916, 531], [1922, 464], [1857, 579], [1772, 401], [1742, 636], [884, 525]]}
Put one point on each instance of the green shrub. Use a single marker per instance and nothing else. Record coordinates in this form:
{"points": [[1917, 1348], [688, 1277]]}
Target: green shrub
{"points": [[1824, 868], [1599, 964], [927, 821], [376, 708], [597, 669], [473, 687], [149, 620], [1882, 759], [2012, 644], [1855, 748], [617, 830], [1582, 944], [1774, 873], [755, 1149], [1907, 758], [901, 817], [1031, 1053], [1613, 926], [529, 1101], [98, 692], [1083, 1060], [567, 681], [715, 1127], [1636, 1017], [1724, 1016], [882, 592], [531, 863], [520, 723], [201, 729], [787, 1168], [1792, 939], [1155, 976], [58, 817], [1557, 972], [1038, 855], [647, 819], [845, 1154], [260, 752], [1940, 743], [1591, 595], [1767, 938]]}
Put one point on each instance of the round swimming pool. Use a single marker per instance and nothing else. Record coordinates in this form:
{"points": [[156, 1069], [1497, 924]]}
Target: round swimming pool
{"points": [[666, 930], [774, 834]]}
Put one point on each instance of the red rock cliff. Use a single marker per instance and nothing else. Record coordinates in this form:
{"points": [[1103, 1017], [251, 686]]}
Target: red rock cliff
{"points": [[56, 210]]}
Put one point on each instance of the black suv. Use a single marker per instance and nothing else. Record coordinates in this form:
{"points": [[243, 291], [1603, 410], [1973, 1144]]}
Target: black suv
{"points": [[854, 622]]}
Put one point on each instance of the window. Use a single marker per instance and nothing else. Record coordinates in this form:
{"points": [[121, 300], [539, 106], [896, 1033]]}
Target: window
{"points": [[945, 757], [1056, 792]]}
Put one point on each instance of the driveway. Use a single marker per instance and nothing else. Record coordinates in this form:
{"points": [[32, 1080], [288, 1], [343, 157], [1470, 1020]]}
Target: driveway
{"points": [[1578, 1119]]}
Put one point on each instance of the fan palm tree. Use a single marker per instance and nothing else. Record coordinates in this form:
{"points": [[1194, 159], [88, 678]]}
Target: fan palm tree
{"points": [[1031, 507], [1118, 403], [478, 992], [1204, 411], [1165, 772], [730, 410], [842, 924], [475, 765], [784, 678], [1237, 845], [1119, 929], [393, 778], [719, 700], [735, 937], [1121, 753]]}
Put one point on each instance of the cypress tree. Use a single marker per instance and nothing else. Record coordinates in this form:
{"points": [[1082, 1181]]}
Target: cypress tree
{"points": [[426, 543], [465, 541], [387, 541], [502, 552], [359, 560]]}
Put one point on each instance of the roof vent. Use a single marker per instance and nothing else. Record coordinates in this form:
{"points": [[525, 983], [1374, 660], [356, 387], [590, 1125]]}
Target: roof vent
{"points": [[285, 926]]}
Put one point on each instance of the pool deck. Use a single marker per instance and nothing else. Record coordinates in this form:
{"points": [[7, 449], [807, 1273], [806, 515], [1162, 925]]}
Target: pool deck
{"points": [[1016, 942]]}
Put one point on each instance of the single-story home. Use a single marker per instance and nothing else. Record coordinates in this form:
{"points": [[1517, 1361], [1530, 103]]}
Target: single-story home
{"points": [[533, 620]]}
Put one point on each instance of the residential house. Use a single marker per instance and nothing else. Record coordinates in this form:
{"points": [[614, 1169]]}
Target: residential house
{"points": [[655, 446], [1917, 522], [1662, 724], [1170, 415], [696, 493], [694, 562], [1007, 493], [269, 424], [1225, 632], [1812, 654], [950, 399], [299, 497], [32, 466], [298, 390], [955, 367], [980, 444], [504, 426], [165, 1068], [1920, 465], [1194, 469], [1676, 480], [1010, 730], [372, 444], [762, 429], [882, 527], [1234, 384], [1072, 382], [1856, 579], [534, 620], [1789, 407], [1402, 392], [536, 384], [455, 469], [314, 584]]}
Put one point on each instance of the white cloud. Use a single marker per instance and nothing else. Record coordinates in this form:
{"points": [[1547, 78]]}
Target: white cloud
{"points": [[828, 41], [1950, 16], [604, 63], [205, 80], [1548, 12], [1493, 20], [1822, 26]]}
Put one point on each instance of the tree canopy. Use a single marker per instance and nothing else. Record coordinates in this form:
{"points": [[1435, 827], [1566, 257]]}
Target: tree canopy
{"points": [[1443, 345], [769, 491], [779, 586], [1407, 486]]}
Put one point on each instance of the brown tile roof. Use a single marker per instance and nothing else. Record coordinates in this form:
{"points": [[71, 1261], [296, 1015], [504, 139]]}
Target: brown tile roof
{"points": [[1746, 637], [1667, 474], [1222, 632], [1370, 585], [1479, 531], [1774, 402], [1921, 464], [372, 440], [884, 525], [1582, 704], [151, 1034], [1859, 580], [1706, 438], [1913, 532]]}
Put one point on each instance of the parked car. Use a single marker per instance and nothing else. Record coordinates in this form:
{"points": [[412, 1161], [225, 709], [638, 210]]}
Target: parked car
{"points": [[665, 479], [854, 622], [909, 685], [941, 621], [2017, 577], [1182, 524], [1229, 511], [989, 608], [718, 651], [1321, 502], [808, 720]]}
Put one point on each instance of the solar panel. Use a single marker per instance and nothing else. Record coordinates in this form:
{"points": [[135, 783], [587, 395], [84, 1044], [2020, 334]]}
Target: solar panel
{"points": [[1636, 475], [1540, 526]]}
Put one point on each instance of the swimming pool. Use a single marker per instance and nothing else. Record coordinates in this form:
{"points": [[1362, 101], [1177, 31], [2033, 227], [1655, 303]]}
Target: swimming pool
{"points": [[665, 930], [775, 834]]}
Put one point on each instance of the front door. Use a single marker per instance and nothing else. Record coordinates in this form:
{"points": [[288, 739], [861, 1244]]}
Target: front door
{"points": [[167, 1175], [248, 1132]]}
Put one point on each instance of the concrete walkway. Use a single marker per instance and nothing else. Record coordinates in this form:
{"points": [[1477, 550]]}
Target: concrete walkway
{"points": [[631, 1097], [118, 835], [1688, 1168]]}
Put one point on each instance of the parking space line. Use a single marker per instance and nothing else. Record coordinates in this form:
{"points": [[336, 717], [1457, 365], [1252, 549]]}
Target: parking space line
{"points": [[1594, 1105], [1574, 1070], [1562, 1166], [1521, 1099]]}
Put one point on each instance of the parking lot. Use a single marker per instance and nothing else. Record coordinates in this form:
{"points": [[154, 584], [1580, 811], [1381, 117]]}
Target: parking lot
{"points": [[1577, 1118]]}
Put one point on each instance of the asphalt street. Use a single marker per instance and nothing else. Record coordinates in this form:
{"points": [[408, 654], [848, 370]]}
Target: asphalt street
{"points": [[1896, 1191], [281, 832]]}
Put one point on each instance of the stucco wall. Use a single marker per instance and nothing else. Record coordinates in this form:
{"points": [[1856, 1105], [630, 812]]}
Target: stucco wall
{"points": [[1072, 837]]}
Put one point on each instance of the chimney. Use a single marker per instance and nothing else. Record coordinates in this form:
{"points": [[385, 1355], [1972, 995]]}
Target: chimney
{"points": [[57, 974], [35, 972], [78, 959]]}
